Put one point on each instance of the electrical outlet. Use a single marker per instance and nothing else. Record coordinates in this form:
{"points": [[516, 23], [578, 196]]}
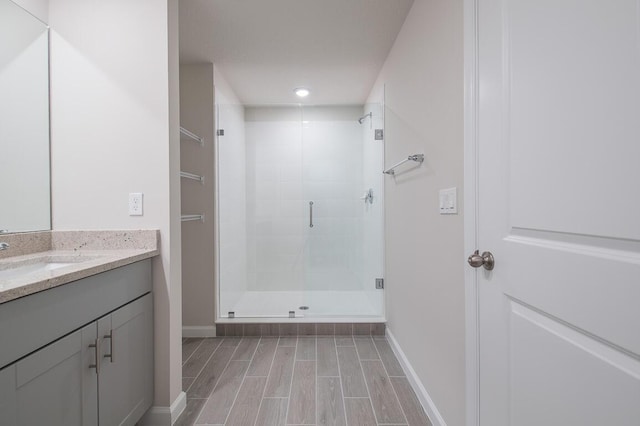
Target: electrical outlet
{"points": [[135, 204]]}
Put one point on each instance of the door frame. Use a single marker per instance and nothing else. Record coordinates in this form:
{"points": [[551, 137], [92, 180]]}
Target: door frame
{"points": [[471, 110]]}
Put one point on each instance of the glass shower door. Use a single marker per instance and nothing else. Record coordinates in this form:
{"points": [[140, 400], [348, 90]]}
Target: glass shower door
{"points": [[260, 209], [342, 247]]}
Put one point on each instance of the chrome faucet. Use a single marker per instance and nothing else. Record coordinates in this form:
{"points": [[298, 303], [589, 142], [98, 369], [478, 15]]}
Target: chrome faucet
{"points": [[4, 246]]}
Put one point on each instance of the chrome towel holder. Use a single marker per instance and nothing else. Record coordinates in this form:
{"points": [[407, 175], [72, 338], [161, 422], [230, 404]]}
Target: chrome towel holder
{"points": [[419, 158]]}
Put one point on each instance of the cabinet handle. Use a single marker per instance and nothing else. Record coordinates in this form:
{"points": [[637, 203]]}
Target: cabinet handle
{"points": [[96, 347], [110, 337]]}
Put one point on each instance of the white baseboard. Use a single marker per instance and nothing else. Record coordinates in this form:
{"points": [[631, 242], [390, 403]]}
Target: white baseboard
{"points": [[199, 331], [165, 416], [426, 401]]}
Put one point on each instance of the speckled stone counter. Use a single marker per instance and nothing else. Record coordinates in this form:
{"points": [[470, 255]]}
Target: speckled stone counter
{"points": [[39, 261]]}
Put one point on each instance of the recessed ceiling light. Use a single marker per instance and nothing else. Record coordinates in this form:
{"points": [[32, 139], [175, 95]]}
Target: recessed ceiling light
{"points": [[301, 92]]}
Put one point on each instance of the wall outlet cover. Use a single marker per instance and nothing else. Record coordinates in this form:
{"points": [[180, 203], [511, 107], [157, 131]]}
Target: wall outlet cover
{"points": [[135, 204]]}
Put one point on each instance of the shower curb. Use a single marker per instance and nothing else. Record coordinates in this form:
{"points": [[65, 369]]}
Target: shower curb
{"points": [[302, 329]]}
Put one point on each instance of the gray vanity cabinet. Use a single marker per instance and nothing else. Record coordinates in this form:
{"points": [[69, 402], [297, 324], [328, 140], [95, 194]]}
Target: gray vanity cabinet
{"points": [[54, 385], [100, 374], [125, 381]]}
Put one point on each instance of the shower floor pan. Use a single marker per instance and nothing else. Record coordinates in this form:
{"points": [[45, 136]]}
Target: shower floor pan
{"points": [[329, 306]]}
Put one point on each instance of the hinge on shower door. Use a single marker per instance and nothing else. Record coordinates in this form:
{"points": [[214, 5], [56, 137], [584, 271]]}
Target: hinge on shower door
{"points": [[379, 283], [220, 132]]}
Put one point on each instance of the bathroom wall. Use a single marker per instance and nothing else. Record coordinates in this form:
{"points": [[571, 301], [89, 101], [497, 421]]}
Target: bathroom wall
{"points": [[197, 112], [231, 174], [114, 129], [296, 155], [423, 78], [38, 8]]}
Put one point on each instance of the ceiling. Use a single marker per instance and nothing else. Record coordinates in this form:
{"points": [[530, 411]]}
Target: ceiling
{"points": [[266, 48]]}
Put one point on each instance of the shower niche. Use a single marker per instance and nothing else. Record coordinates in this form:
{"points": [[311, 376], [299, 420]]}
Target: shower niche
{"points": [[300, 212]]}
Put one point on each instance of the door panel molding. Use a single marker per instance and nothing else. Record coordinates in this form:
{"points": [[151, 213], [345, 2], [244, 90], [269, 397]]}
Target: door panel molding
{"points": [[613, 379]]}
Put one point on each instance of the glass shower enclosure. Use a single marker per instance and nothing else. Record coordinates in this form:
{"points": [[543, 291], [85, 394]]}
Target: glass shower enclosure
{"points": [[300, 212]]}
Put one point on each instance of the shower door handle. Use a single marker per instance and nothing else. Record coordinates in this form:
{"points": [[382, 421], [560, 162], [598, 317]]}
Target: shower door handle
{"points": [[310, 214]]}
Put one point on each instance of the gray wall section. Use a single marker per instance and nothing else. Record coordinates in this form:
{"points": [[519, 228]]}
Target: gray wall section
{"points": [[197, 111]]}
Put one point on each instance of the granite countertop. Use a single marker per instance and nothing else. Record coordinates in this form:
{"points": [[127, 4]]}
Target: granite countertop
{"points": [[67, 256]]}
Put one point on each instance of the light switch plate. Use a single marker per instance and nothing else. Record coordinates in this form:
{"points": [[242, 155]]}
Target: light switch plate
{"points": [[135, 204], [449, 201]]}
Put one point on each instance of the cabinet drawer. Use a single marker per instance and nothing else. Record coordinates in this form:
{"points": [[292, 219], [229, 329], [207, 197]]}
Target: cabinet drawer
{"points": [[34, 321]]}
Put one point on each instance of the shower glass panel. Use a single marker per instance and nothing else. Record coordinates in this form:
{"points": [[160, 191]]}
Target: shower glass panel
{"points": [[343, 238], [296, 232]]}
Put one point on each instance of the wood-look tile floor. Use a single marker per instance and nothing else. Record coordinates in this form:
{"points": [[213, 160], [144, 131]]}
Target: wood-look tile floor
{"points": [[296, 380]]}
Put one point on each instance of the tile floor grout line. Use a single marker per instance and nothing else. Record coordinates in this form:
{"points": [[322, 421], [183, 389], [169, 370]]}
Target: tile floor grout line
{"points": [[384, 367], [344, 406], [205, 364], [218, 381], [273, 360], [295, 362], [356, 397], [255, 350], [244, 376], [366, 385], [184, 361], [262, 398], [295, 354]]}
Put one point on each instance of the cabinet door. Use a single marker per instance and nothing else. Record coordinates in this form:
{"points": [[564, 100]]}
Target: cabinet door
{"points": [[54, 386], [126, 375]]}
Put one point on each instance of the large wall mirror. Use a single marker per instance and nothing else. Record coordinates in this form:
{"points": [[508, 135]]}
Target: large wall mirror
{"points": [[24, 121]]}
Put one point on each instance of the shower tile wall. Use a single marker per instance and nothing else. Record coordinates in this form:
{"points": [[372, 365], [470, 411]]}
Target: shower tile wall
{"points": [[274, 205], [294, 157]]}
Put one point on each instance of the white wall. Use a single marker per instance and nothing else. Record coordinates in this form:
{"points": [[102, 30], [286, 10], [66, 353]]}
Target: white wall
{"points": [[231, 175], [197, 110], [115, 114], [38, 8], [423, 75]]}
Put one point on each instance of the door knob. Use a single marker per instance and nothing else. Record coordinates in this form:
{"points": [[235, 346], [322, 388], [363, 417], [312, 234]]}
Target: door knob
{"points": [[486, 260]]}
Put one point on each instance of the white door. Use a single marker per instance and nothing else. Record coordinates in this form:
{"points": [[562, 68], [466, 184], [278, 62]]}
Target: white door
{"points": [[559, 208]]}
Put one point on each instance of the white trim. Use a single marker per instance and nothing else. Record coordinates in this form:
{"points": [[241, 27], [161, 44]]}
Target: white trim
{"points": [[198, 331], [423, 396], [471, 110], [165, 416]]}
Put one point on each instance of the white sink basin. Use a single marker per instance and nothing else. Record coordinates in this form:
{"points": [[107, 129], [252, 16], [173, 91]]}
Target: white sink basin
{"points": [[37, 265]]}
